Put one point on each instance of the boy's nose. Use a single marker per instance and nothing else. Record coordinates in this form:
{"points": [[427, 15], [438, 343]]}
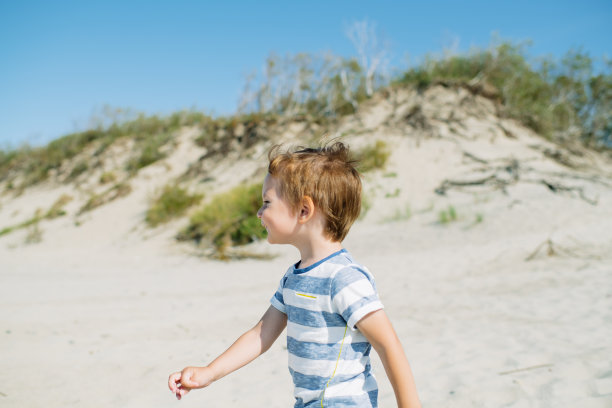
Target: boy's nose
{"points": [[259, 212]]}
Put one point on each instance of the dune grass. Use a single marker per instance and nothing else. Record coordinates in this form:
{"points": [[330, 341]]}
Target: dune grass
{"points": [[229, 219], [172, 202]]}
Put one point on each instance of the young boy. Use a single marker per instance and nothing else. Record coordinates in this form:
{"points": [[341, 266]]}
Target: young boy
{"points": [[327, 301]]}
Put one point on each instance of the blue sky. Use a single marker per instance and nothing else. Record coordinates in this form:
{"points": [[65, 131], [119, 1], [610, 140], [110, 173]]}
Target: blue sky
{"points": [[62, 61]]}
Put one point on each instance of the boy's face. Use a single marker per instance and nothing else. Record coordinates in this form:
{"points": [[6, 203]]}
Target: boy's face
{"points": [[276, 215]]}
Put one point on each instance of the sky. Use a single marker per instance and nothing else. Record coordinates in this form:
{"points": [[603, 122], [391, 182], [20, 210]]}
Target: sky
{"points": [[62, 62]]}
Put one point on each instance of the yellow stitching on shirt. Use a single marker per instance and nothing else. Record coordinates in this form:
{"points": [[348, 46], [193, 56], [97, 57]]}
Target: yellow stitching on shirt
{"points": [[308, 296], [336, 367]]}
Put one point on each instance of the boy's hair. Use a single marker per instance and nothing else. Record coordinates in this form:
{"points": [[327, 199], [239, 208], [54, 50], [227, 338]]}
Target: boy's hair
{"points": [[328, 176]]}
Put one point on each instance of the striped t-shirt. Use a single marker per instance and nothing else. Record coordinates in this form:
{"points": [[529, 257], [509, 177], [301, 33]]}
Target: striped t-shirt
{"points": [[329, 359]]}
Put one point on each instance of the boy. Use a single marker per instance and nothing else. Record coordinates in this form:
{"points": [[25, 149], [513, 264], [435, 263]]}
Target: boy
{"points": [[327, 302]]}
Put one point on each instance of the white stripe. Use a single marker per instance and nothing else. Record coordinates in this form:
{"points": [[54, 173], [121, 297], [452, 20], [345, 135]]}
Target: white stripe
{"points": [[323, 335], [316, 304], [353, 293], [325, 368], [362, 312], [307, 395]]}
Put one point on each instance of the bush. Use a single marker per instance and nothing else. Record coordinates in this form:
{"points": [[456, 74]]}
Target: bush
{"points": [[373, 157], [171, 203], [97, 200], [562, 100], [229, 219]]}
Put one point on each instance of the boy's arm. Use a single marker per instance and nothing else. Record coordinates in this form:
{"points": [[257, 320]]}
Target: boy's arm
{"points": [[377, 328], [249, 346]]}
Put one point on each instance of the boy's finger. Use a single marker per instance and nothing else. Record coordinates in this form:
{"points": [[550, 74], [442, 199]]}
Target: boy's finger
{"points": [[173, 380]]}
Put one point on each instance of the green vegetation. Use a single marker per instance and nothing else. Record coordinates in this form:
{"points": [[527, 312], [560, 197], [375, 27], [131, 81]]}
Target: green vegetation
{"points": [[56, 210], [394, 194], [149, 132], [96, 200], [373, 157], [171, 203], [563, 100], [108, 177], [400, 214], [79, 168], [229, 219], [448, 215]]}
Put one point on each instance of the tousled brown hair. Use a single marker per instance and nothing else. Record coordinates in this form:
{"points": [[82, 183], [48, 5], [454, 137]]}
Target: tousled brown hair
{"points": [[327, 175]]}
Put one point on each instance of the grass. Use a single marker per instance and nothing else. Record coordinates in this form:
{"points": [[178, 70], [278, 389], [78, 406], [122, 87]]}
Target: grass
{"points": [[400, 214], [56, 210], [149, 132], [229, 219], [171, 203], [373, 157], [394, 194], [108, 177], [97, 200], [447, 216]]}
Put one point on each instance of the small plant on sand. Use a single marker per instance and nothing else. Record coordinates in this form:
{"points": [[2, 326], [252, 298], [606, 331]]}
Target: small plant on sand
{"points": [[150, 152], [373, 157], [96, 200], [400, 214], [34, 235], [108, 177], [448, 215], [57, 209], [394, 194], [171, 203], [229, 219], [78, 169]]}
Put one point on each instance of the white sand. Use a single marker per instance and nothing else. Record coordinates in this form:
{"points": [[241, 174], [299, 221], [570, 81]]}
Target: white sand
{"points": [[100, 314]]}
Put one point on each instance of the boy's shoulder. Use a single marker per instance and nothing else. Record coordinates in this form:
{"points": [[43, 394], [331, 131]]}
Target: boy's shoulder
{"points": [[339, 267]]}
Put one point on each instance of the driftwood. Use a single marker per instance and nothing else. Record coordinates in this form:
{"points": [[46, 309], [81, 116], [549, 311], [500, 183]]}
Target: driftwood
{"points": [[556, 187], [511, 167], [520, 370], [551, 248]]}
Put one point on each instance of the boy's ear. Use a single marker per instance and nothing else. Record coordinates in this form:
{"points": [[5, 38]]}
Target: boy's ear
{"points": [[306, 210]]}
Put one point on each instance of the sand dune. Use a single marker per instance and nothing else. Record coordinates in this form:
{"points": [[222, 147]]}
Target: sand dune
{"points": [[509, 305]]}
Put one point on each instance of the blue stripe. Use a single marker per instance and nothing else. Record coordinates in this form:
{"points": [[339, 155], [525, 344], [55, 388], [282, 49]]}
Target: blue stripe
{"points": [[365, 400], [325, 351], [358, 305], [279, 297], [314, 319], [346, 276], [308, 284], [314, 265], [315, 382]]}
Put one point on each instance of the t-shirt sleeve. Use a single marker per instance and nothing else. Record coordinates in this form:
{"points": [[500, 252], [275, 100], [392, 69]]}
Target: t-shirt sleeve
{"points": [[277, 299], [354, 294]]}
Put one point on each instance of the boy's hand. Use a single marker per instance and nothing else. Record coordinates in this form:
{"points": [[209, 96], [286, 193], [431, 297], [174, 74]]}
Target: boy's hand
{"points": [[180, 383]]}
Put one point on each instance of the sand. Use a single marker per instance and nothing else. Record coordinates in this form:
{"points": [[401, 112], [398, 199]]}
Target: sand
{"points": [[100, 313]]}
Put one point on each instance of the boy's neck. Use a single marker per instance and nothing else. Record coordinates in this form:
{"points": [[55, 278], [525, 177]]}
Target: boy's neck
{"points": [[313, 251]]}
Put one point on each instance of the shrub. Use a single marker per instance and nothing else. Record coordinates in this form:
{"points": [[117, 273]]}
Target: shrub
{"points": [[562, 100], [171, 203], [97, 200], [229, 219], [108, 177], [373, 157], [79, 168], [57, 209]]}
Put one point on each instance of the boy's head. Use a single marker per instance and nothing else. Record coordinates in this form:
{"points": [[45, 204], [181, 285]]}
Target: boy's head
{"points": [[328, 176]]}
